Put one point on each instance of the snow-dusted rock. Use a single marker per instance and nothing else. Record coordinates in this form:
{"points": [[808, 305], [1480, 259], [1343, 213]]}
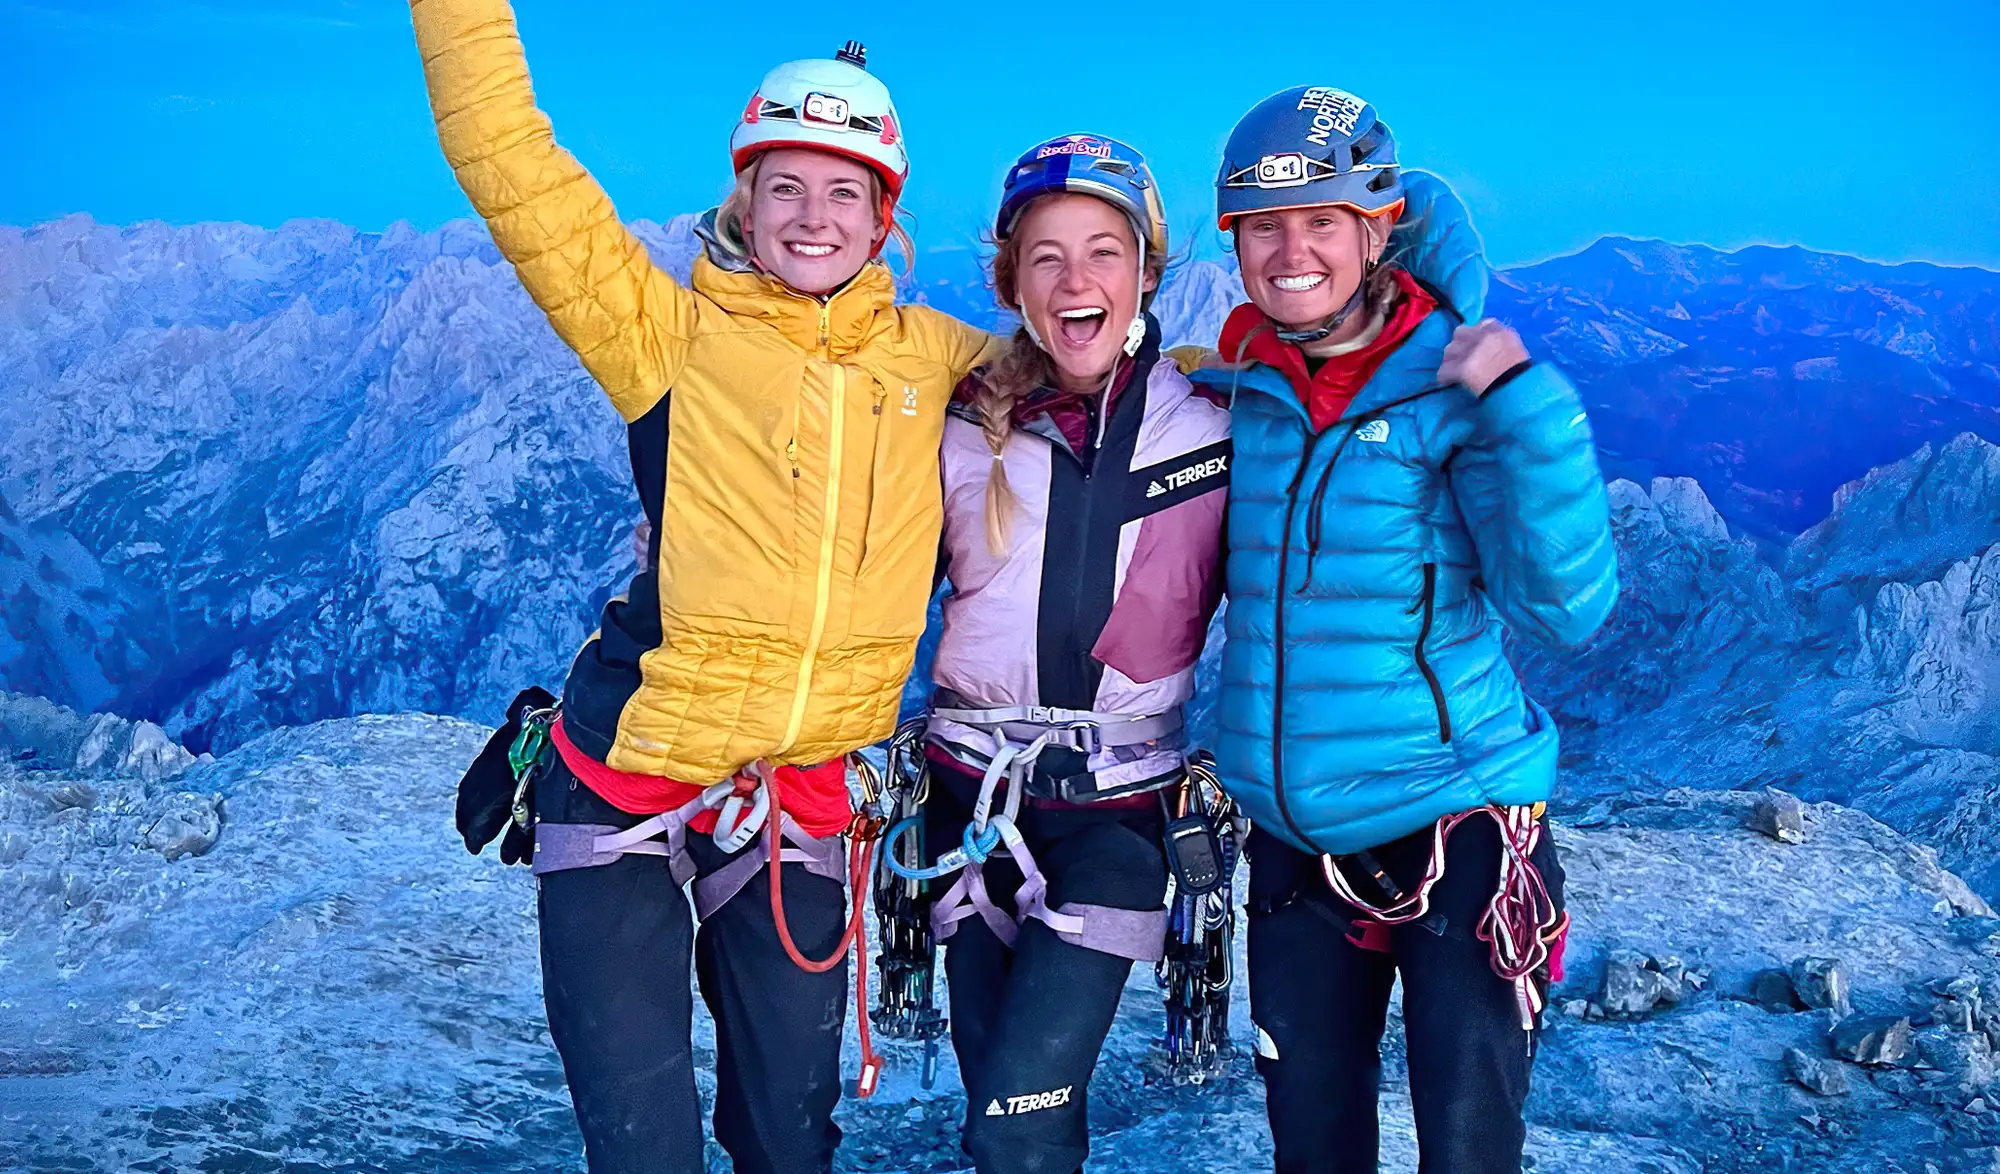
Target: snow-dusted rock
{"points": [[40, 735], [337, 942]]}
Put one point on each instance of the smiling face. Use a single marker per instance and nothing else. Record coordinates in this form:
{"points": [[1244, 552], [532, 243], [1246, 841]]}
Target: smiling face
{"points": [[814, 218], [1301, 265], [1076, 273]]}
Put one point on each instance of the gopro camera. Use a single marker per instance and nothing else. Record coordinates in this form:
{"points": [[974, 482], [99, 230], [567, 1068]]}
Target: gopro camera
{"points": [[826, 108], [1281, 171]]}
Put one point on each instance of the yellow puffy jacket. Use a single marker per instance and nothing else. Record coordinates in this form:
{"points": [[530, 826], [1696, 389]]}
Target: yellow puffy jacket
{"points": [[793, 468]]}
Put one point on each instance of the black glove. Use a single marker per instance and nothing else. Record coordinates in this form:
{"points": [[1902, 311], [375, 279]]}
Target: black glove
{"points": [[517, 844], [486, 793]]}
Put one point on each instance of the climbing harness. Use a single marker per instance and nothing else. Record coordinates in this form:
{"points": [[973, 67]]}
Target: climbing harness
{"points": [[1197, 968], [745, 805], [1521, 924], [1085, 731], [1125, 933], [906, 954]]}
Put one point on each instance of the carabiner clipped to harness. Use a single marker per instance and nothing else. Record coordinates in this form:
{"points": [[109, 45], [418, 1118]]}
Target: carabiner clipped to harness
{"points": [[1521, 925], [988, 832], [735, 830], [1198, 967], [907, 958], [530, 747]]}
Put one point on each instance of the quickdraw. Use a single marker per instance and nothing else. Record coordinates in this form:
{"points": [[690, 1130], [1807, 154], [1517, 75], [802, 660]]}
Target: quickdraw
{"points": [[1521, 924], [529, 748], [907, 952], [1198, 968]]}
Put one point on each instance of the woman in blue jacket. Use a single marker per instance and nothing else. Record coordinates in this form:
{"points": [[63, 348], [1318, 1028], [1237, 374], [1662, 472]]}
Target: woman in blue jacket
{"points": [[1406, 489]]}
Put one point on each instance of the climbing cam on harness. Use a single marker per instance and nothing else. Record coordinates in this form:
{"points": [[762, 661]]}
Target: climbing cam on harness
{"points": [[907, 953], [1196, 971]]}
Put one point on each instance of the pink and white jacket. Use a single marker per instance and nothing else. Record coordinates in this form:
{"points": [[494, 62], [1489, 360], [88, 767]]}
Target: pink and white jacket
{"points": [[1113, 570]]}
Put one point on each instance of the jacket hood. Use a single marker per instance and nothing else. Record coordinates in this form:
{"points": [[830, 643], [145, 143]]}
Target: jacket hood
{"points": [[1435, 242]]}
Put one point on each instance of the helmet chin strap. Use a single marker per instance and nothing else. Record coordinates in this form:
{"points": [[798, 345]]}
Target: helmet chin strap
{"points": [[1135, 333], [1330, 324], [1028, 324]]}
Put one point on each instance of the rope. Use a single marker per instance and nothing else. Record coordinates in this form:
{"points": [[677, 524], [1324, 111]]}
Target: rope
{"points": [[863, 833], [1520, 921], [987, 831]]}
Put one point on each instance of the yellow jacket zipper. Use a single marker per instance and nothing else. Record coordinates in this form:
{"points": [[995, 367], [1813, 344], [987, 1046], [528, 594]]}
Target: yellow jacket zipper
{"points": [[829, 523]]}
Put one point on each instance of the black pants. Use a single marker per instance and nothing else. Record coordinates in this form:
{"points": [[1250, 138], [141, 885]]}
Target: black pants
{"points": [[1027, 1023], [616, 942], [1320, 1003]]}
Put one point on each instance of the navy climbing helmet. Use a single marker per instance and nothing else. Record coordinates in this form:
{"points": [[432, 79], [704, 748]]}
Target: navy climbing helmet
{"points": [[1309, 147], [1090, 165]]}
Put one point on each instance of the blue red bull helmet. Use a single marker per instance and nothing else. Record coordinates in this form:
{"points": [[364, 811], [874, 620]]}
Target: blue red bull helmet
{"points": [[1309, 147], [1090, 165]]}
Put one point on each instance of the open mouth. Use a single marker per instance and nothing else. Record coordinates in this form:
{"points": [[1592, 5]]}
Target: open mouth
{"points": [[1080, 327], [801, 249], [1299, 283]]}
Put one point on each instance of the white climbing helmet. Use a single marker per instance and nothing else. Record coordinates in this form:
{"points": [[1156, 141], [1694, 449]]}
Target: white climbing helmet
{"points": [[824, 105]]}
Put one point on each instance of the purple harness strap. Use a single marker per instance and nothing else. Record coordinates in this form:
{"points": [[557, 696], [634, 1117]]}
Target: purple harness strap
{"points": [[821, 858], [563, 846], [966, 897], [1137, 934]]}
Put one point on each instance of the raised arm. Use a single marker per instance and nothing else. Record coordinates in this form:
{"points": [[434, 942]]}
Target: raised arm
{"points": [[626, 319]]}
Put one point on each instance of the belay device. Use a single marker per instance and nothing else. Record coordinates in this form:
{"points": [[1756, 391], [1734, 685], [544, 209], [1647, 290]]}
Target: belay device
{"points": [[907, 957], [1196, 971]]}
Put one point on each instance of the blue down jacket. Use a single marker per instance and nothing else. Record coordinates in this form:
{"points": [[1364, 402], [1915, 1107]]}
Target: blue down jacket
{"points": [[1373, 568]]}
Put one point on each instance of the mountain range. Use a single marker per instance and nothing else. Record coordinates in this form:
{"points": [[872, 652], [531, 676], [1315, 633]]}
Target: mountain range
{"points": [[260, 477]]}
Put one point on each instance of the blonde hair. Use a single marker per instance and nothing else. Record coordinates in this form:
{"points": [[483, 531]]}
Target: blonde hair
{"points": [[1020, 369], [729, 217], [1382, 291]]}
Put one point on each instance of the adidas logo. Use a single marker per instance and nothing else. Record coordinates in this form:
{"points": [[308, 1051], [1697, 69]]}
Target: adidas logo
{"points": [[1155, 489], [1374, 431], [1032, 1103], [1182, 478]]}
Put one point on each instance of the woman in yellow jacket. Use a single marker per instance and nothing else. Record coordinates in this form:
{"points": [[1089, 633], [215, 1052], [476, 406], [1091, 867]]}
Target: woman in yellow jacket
{"points": [[784, 419]]}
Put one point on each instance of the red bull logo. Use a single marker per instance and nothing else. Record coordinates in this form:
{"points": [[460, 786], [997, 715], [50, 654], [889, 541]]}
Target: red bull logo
{"points": [[1095, 148]]}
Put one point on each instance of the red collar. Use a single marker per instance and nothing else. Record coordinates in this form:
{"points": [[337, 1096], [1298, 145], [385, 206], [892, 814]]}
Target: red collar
{"points": [[1249, 335]]}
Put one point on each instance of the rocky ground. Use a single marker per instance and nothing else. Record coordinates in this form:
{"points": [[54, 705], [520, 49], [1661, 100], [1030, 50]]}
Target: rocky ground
{"points": [[283, 959]]}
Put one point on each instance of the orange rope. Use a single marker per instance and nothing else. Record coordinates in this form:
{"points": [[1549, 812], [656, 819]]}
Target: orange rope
{"points": [[862, 835]]}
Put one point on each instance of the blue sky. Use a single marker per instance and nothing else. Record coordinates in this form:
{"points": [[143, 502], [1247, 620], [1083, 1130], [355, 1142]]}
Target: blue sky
{"points": [[1863, 128]]}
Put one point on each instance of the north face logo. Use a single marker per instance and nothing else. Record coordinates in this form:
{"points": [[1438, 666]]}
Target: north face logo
{"points": [[1374, 431]]}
